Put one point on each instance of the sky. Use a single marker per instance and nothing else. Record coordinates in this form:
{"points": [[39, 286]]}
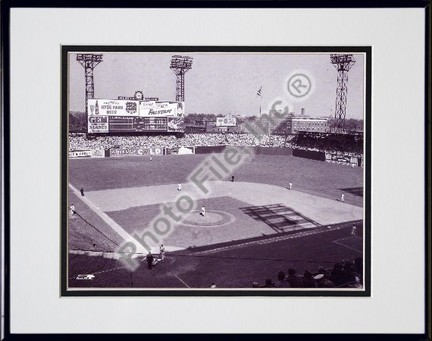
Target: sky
{"points": [[223, 83]]}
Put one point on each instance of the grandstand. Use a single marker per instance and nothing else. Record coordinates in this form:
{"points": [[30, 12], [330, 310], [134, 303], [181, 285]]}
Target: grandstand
{"points": [[262, 236]]}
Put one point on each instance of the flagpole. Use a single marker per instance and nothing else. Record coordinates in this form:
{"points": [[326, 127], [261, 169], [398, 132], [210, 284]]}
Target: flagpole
{"points": [[259, 94]]}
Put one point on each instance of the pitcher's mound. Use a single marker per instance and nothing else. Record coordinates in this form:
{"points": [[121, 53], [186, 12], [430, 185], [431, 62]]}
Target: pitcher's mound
{"points": [[211, 219]]}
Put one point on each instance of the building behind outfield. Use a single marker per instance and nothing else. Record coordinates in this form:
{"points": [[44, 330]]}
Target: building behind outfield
{"points": [[295, 124], [291, 125], [310, 124]]}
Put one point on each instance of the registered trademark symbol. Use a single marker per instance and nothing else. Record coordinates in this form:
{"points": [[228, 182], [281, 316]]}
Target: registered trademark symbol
{"points": [[299, 85]]}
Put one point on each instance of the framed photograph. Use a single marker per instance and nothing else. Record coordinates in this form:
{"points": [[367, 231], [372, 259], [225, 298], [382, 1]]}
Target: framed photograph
{"points": [[231, 161], [170, 198]]}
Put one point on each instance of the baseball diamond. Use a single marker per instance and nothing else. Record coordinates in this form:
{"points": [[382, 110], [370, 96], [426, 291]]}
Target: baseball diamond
{"points": [[262, 224]]}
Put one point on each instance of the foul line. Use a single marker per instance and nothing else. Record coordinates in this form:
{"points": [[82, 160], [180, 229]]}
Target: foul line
{"points": [[182, 281], [100, 272], [116, 227], [109, 270], [275, 238], [348, 247]]}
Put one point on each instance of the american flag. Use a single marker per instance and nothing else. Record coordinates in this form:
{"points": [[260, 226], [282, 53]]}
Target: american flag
{"points": [[259, 92]]}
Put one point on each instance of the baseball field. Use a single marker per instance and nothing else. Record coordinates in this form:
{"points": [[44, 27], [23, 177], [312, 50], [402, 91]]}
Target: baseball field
{"points": [[253, 227]]}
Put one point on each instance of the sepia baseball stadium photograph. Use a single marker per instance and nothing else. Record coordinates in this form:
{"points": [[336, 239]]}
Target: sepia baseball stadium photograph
{"points": [[220, 171]]}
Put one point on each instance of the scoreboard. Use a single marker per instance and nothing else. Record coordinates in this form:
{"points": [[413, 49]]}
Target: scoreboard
{"points": [[136, 124], [226, 121], [124, 116]]}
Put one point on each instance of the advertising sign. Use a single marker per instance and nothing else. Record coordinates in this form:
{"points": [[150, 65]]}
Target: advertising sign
{"points": [[226, 121], [112, 107], [98, 124], [98, 153], [338, 158], [167, 109], [186, 150], [80, 153], [180, 109], [120, 116], [175, 124], [125, 98], [128, 151], [156, 151], [180, 151]]}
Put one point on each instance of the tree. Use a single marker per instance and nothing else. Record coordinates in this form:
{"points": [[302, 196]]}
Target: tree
{"points": [[77, 122]]}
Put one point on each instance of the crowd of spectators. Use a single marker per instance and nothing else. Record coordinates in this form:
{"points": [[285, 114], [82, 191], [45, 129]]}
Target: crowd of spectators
{"points": [[347, 143], [79, 141], [344, 274]]}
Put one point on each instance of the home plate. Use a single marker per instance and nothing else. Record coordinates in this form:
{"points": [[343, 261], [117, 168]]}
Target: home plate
{"points": [[85, 277]]}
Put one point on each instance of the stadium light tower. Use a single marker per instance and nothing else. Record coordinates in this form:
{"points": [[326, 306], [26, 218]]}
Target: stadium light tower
{"points": [[180, 65], [343, 63], [89, 62]]}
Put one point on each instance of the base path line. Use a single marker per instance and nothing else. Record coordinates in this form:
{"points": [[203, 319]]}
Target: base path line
{"points": [[116, 227], [324, 211]]}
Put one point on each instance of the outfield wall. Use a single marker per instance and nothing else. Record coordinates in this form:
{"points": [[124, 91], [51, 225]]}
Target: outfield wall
{"points": [[209, 149], [257, 150], [128, 151], [345, 159], [77, 154], [309, 154], [339, 158], [273, 151], [179, 151]]}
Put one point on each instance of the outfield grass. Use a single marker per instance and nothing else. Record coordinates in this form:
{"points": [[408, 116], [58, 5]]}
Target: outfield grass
{"points": [[315, 177]]}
